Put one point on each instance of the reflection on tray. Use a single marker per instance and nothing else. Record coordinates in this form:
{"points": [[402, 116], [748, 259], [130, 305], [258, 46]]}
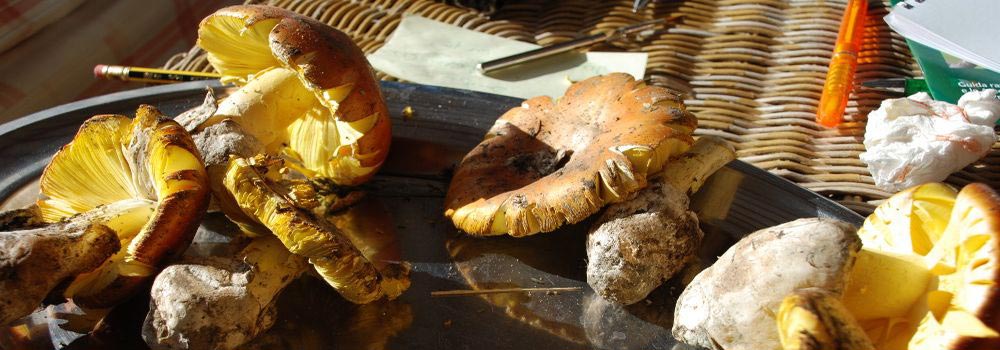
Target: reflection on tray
{"points": [[537, 261], [313, 316]]}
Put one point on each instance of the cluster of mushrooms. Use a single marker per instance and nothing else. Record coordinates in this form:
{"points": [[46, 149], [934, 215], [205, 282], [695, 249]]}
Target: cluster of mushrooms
{"points": [[921, 273], [123, 200]]}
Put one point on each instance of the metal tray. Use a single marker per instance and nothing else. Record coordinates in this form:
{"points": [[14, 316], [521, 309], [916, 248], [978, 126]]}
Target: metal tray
{"points": [[408, 200]]}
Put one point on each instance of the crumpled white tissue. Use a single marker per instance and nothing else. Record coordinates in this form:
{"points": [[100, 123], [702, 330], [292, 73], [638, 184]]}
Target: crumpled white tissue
{"points": [[916, 140]]}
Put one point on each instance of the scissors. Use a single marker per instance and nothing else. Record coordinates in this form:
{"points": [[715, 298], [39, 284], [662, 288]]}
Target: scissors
{"points": [[524, 57]]}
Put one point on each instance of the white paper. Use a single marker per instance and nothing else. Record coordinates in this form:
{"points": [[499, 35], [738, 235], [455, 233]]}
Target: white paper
{"points": [[916, 140], [429, 52]]}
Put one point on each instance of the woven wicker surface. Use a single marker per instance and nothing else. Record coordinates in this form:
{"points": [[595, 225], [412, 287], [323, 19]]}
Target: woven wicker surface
{"points": [[752, 70]]}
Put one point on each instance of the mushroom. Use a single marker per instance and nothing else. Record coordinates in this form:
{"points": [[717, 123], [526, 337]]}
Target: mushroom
{"points": [[34, 261], [548, 163], [140, 177], [224, 301], [220, 302], [638, 244], [121, 182], [935, 253], [925, 278], [731, 304], [308, 106], [306, 91], [277, 205]]}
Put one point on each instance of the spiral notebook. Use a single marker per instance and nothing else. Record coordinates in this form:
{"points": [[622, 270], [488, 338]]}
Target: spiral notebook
{"points": [[963, 28]]}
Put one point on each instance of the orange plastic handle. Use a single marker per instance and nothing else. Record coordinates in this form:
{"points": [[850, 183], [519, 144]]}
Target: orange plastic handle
{"points": [[837, 90], [843, 64]]}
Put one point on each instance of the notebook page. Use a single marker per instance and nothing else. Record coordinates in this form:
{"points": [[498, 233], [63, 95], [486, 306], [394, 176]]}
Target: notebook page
{"points": [[429, 52], [963, 28]]}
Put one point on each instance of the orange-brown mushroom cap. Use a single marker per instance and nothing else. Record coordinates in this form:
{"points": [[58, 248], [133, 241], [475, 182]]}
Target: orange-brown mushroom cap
{"points": [[548, 163]]}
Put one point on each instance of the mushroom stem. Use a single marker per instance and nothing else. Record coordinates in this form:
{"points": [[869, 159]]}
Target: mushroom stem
{"points": [[221, 302], [734, 303], [637, 244], [33, 262], [125, 218], [332, 254], [268, 103], [21, 219], [690, 170]]}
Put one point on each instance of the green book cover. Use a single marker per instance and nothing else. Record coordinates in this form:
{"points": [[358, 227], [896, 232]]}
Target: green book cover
{"points": [[949, 77]]}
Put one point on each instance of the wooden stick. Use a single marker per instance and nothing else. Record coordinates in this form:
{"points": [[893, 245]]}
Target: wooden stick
{"points": [[460, 293]]}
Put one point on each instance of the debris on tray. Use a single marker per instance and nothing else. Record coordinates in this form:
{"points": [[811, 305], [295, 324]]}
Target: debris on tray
{"points": [[408, 113]]}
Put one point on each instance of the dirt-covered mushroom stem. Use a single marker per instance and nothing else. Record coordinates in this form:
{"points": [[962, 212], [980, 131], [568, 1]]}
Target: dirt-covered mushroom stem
{"points": [[731, 305], [637, 244], [34, 261], [220, 302]]}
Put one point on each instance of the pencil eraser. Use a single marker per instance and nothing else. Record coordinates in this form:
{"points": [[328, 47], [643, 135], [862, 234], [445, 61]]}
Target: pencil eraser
{"points": [[99, 71]]}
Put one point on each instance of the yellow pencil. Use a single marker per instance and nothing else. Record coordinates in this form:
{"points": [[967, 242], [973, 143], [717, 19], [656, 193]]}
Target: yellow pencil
{"points": [[150, 75]]}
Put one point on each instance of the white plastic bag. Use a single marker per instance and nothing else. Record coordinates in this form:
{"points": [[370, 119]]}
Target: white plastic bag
{"points": [[916, 140]]}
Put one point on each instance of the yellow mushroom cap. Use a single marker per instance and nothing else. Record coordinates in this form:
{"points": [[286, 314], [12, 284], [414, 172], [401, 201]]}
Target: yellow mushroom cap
{"points": [[942, 249], [143, 178], [307, 92], [965, 308], [910, 221], [548, 163]]}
